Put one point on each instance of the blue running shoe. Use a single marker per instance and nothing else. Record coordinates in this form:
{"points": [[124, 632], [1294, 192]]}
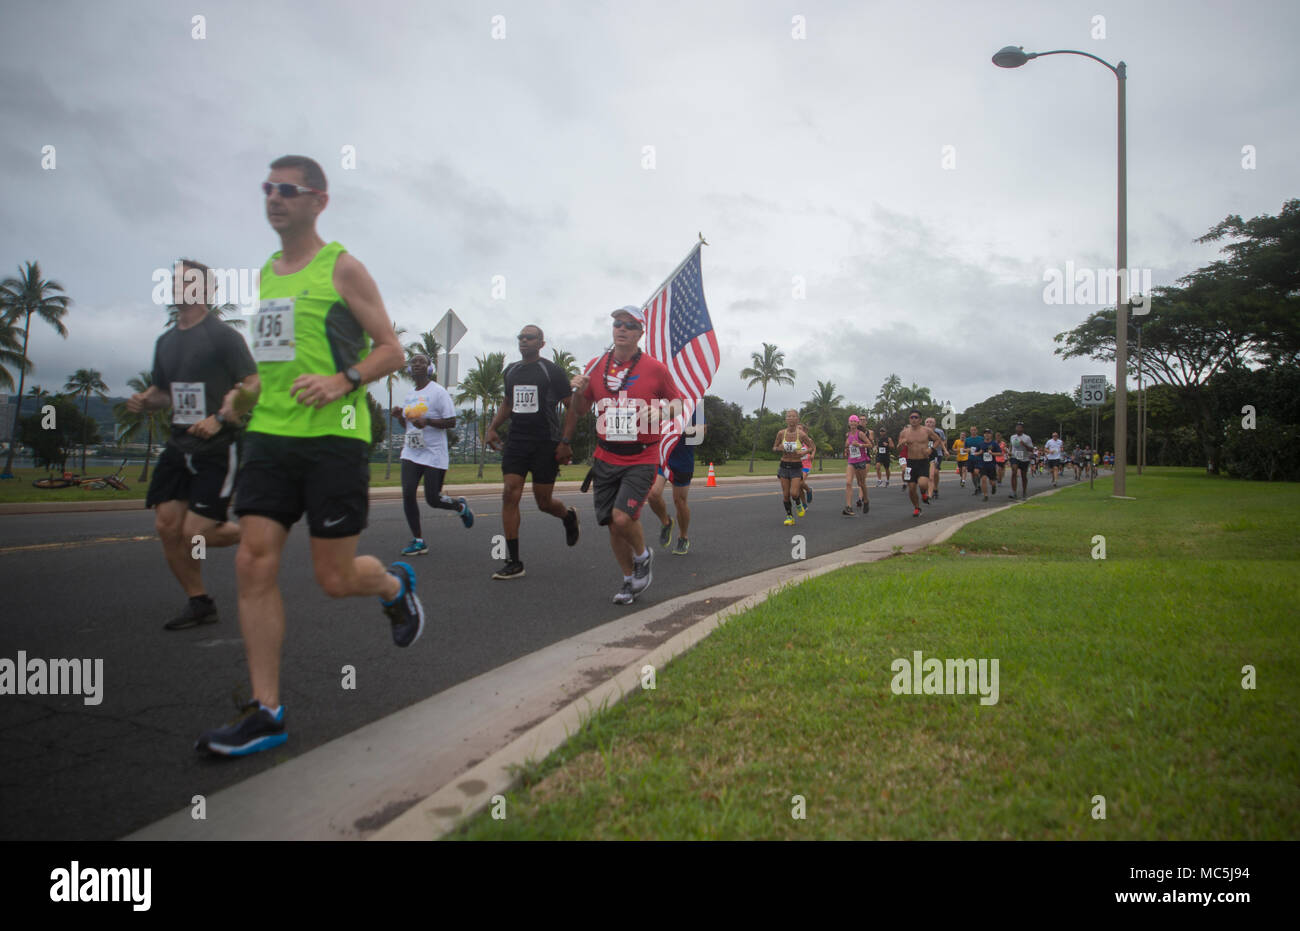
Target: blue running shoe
{"points": [[466, 515], [405, 612], [256, 730], [416, 547]]}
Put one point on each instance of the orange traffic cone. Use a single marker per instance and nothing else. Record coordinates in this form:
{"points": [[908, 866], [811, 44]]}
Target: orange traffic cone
{"points": [[713, 479]]}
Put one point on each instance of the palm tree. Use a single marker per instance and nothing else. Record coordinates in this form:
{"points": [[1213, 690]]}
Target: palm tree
{"points": [[916, 396], [85, 382], [887, 402], [23, 296], [485, 382], [153, 421], [11, 351], [564, 359], [427, 345], [823, 410], [388, 411], [768, 367]]}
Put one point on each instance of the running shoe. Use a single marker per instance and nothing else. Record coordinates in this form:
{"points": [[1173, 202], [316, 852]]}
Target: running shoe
{"points": [[683, 547], [513, 569], [571, 528], [848, 512], [866, 505], [807, 493], [624, 595], [666, 533], [976, 491], [405, 612], [256, 729], [789, 521], [416, 547], [925, 498], [986, 497], [197, 611], [916, 512], [995, 488], [858, 503], [935, 493], [641, 574], [1013, 496], [466, 515], [799, 509]]}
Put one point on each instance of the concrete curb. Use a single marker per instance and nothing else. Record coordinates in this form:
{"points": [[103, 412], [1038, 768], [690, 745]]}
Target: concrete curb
{"points": [[472, 791]]}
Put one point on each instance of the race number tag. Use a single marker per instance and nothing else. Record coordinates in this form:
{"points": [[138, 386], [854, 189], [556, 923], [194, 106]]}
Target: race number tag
{"points": [[907, 474], [415, 441], [525, 401], [855, 452], [272, 336], [189, 403], [884, 450], [620, 424], [988, 456], [790, 446]]}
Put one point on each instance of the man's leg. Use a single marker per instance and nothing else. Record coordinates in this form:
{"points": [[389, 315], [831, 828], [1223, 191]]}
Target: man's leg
{"points": [[341, 573], [625, 539], [169, 521], [543, 495], [683, 510], [511, 493], [656, 502], [261, 611]]}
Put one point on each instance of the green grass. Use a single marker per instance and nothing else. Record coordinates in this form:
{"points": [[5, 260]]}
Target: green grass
{"points": [[1119, 678]]}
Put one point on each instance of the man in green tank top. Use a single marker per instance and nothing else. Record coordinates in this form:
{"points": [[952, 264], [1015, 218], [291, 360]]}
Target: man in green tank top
{"points": [[320, 334]]}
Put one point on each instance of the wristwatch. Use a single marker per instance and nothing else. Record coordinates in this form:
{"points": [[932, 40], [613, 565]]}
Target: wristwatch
{"points": [[352, 375]]}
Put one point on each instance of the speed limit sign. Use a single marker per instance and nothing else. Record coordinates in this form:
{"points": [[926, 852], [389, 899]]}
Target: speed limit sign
{"points": [[1092, 390]]}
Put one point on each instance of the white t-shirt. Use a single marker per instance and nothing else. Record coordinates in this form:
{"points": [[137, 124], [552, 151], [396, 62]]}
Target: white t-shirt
{"points": [[1021, 446], [427, 445], [1054, 449]]}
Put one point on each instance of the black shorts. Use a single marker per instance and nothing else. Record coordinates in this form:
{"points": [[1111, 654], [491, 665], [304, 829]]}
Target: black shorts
{"points": [[912, 475], [620, 487], [962, 464], [1054, 463], [883, 460], [989, 468], [789, 470], [937, 461], [680, 479], [204, 480], [1021, 464], [280, 477], [861, 466], [535, 456]]}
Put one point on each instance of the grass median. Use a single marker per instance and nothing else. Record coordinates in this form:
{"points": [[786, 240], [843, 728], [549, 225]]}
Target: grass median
{"points": [[1118, 677]]}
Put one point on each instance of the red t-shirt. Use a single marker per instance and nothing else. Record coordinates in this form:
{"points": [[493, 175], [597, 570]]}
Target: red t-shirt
{"points": [[624, 416]]}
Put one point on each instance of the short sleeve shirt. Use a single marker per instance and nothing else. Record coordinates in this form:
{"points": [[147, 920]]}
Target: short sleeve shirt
{"points": [[626, 400], [534, 390], [198, 366], [427, 445]]}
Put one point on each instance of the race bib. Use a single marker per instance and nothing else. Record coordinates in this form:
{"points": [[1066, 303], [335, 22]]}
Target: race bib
{"points": [[620, 424], [884, 450], [272, 337], [525, 401], [790, 447], [907, 473], [189, 404], [988, 456], [931, 444], [415, 441], [855, 452]]}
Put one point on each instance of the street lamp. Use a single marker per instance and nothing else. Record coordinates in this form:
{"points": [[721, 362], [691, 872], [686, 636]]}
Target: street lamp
{"points": [[1013, 56]]}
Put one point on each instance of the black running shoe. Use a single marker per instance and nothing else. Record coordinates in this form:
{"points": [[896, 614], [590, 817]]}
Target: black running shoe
{"points": [[848, 512], [513, 569], [666, 533], [807, 493], [405, 612], [197, 611], [256, 729], [571, 528]]}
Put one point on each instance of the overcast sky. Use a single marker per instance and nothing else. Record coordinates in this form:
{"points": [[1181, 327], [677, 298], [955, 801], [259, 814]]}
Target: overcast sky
{"points": [[524, 156]]}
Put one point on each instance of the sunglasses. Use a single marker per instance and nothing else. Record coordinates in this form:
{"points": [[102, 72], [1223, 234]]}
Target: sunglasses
{"points": [[624, 325], [287, 190]]}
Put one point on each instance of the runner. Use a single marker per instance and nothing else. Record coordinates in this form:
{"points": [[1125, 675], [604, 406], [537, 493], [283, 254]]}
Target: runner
{"points": [[790, 443], [1054, 457], [194, 364], [916, 439], [937, 452], [1076, 460], [857, 451], [984, 452], [681, 462], [1000, 457], [883, 445], [308, 442], [535, 387], [959, 447], [1021, 450], [805, 466], [974, 466], [628, 393], [428, 414]]}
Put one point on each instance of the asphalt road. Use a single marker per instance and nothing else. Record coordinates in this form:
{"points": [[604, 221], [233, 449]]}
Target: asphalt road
{"points": [[94, 585]]}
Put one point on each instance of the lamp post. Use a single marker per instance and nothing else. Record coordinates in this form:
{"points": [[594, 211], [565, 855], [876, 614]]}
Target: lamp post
{"points": [[1013, 57]]}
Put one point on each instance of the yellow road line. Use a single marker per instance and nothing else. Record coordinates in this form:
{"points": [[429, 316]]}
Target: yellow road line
{"points": [[70, 544]]}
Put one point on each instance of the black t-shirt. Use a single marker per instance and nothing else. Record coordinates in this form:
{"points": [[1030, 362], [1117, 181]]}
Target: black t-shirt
{"points": [[198, 367], [534, 389]]}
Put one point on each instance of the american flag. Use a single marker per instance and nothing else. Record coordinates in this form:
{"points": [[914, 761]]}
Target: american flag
{"points": [[679, 333]]}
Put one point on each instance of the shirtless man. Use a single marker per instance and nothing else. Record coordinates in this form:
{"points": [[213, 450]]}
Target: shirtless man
{"points": [[916, 440]]}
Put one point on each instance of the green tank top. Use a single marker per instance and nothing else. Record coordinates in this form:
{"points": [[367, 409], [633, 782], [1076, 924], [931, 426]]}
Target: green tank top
{"points": [[325, 338]]}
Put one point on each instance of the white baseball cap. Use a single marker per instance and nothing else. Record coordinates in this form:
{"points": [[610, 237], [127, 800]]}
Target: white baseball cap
{"points": [[632, 311]]}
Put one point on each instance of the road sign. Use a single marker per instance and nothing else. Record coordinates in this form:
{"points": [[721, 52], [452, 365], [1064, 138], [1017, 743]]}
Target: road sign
{"points": [[448, 365], [1092, 390], [449, 330]]}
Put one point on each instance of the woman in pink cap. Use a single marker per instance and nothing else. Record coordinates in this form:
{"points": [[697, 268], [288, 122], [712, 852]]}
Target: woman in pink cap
{"points": [[857, 450]]}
